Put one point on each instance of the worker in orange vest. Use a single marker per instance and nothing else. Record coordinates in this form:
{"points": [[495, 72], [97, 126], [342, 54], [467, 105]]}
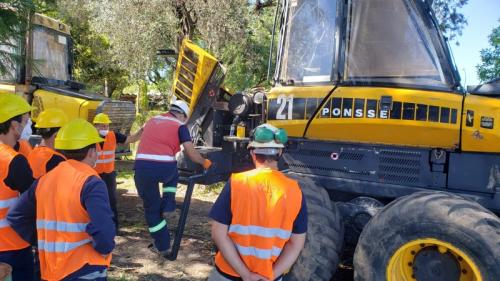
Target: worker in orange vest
{"points": [[155, 163], [23, 147], [44, 157], [15, 178], [70, 208], [105, 165], [260, 217]]}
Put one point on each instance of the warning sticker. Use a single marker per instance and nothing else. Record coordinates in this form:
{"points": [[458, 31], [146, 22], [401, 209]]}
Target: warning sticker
{"points": [[487, 122]]}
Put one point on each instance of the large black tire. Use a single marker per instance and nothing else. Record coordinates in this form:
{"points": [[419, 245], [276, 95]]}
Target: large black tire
{"points": [[325, 234], [446, 217]]}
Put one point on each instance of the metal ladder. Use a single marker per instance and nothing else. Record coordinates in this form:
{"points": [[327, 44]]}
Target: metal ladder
{"points": [[190, 181]]}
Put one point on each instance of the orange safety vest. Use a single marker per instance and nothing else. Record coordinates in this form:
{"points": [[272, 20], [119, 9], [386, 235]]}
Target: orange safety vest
{"points": [[25, 148], [160, 139], [63, 244], [264, 205], [9, 240], [38, 159], [106, 154]]}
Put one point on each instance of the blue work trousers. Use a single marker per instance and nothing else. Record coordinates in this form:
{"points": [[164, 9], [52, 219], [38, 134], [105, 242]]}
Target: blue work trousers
{"points": [[155, 203], [110, 180], [21, 262]]}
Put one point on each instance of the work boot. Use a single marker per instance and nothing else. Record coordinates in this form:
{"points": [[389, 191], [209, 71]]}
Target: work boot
{"points": [[155, 250]]}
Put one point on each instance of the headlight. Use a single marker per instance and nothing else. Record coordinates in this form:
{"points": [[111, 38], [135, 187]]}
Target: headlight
{"points": [[239, 104], [258, 98]]}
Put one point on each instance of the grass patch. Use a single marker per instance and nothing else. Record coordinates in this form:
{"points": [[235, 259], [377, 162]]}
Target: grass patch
{"points": [[125, 179], [215, 188], [125, 175]]}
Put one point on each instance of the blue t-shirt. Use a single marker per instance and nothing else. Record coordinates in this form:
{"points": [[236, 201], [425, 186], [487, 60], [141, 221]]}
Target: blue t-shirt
{"points": [[221, 211]]}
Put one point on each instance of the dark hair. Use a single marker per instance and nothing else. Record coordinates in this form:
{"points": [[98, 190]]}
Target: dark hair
{"points": [[261, 158], [5, 126], [77, 154], [47, 133]]}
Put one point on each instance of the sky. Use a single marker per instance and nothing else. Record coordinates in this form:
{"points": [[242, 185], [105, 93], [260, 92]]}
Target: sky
{"points": [[482, 16]]}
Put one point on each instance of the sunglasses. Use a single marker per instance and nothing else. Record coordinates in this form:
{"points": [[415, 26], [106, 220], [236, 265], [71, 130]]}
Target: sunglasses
{"points": [[264, 134]]}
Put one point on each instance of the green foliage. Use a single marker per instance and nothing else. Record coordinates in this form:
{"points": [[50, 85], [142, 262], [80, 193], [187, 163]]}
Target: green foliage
{"points": [[94, 63], [489, 69], [451, 21], [14, 15], [247, 60]]}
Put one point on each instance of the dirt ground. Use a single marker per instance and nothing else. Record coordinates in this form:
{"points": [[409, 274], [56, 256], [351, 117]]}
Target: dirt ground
{"points": [[132, 260]]}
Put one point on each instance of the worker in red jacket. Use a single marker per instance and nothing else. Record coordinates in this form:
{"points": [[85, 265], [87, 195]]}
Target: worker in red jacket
{"points": [[155, 163], [105, 165], [260, 217], [15, 178], [44, 157]]}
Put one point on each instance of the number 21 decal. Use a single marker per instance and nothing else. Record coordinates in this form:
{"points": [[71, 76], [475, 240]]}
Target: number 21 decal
{"points": [[285, 103]]}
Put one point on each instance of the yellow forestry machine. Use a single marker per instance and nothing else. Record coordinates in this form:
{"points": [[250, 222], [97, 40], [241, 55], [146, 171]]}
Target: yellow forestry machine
{"points": [[44, 73], [400, 165]]}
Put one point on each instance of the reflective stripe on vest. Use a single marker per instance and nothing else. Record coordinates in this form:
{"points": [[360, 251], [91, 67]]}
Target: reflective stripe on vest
{"points": [[38, 159], [3, 223], [7, 203], [60, 247], [106, 154], [259, 231], [258, 253], [264, 206], [101, 161], [61, 226], [64, 245], [101, 153], [166, 158], [9, 239], [160, 139]]}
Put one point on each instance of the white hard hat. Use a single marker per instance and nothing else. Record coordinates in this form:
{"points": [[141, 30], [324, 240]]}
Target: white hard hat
{"points": [[181, 105]]}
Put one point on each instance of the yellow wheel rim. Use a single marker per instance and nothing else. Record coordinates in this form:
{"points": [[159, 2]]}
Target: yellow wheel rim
{"points": [[400, 266]]}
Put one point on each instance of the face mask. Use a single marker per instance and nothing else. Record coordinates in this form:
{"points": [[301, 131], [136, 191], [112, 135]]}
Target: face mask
{"points": [[27, 132], [103, 133]]}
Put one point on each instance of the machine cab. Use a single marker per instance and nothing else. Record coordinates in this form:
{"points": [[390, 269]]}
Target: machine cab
{"points": [[367, 72]]}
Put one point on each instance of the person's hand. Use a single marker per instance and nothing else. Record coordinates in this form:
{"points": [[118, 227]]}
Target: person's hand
{"points": [[206, 164], [254, 277]]}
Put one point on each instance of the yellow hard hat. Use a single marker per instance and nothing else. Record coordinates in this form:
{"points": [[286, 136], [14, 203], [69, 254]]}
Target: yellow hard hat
{"points": [[51, 118], [11, 106], [77, 134], [102, 118]]}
